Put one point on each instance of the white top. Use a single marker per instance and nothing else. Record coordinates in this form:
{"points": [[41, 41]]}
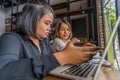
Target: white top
{"points": [[59, 45]]}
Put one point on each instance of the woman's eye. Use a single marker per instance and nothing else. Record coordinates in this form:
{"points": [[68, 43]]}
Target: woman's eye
{"points": [[68, 30], [47, 23]]}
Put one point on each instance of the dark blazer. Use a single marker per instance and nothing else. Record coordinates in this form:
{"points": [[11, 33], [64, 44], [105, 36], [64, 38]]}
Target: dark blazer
{"points": [[15, 64]]}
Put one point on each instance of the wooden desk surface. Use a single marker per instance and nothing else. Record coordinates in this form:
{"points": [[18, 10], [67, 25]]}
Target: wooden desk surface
{"points": [[53, 78]]}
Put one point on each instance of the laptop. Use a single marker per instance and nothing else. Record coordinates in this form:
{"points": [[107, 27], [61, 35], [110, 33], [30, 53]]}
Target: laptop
{"points": [[85, 71]]}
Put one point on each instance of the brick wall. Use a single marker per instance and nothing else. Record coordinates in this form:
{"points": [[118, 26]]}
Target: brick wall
{"points": [[100, 24]]}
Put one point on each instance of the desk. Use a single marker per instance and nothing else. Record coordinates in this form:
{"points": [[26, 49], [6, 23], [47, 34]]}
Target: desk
{"points": [[105, 74], [109, 74], [49, 77]]}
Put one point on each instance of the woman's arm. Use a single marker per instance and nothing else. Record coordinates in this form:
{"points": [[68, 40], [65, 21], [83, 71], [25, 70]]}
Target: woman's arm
{"points": [[72, 54], [23, 69]]}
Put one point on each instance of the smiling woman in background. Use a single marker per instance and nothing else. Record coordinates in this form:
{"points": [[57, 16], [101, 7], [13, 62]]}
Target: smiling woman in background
{"points": [[38, 58], [63, 34]]}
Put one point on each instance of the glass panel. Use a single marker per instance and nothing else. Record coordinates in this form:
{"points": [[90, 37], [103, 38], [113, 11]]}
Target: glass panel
{"points": [[109, 14]]}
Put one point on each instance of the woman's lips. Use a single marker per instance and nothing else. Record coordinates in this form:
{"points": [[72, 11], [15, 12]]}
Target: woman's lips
{"points": [[65, 35], [47, 33]]}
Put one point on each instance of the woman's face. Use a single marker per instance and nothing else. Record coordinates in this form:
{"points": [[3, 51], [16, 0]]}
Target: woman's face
{"points": [[64, 31], [44, 26]]}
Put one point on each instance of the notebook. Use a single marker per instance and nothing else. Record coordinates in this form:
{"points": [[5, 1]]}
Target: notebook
{"points": [[86, 71]]}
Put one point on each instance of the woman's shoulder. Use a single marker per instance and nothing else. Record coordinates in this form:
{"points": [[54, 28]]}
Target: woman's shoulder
{"points": [[57, 39], [9, 36]]}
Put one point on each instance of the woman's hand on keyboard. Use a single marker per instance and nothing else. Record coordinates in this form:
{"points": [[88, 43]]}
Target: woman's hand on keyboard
{"points": [[76, 54]]}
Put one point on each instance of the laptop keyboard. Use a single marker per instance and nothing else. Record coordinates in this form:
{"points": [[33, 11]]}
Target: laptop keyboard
{"points": [[83, 70]]}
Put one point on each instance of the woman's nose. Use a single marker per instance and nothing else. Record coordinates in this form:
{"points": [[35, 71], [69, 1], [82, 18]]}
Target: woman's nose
{"points": [[49, 28], [65, 31]]}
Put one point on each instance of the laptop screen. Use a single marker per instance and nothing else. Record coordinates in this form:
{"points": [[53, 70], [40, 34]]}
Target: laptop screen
{"points": [[107, 48]]}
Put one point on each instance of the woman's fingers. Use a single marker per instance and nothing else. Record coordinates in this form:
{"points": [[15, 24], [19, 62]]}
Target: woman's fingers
{"points": [[77, 54], [89, 44], [89, 49], [74, 41], [92, 53]]}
